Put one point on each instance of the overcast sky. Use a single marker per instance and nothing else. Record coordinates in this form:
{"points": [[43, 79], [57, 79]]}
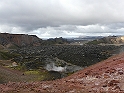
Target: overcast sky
{"points": [[62, 18]]}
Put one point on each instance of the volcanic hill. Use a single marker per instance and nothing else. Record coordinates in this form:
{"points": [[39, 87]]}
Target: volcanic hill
{"points": [[18, 39], [104, 77], [109, 40]]}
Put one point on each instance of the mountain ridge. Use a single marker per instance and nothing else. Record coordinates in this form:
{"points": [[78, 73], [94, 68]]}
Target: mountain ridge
{"points": [[19, 39]]}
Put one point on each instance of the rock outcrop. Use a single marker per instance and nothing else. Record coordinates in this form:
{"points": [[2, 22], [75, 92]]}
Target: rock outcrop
{"points": [[19, 39], [115, 39]]}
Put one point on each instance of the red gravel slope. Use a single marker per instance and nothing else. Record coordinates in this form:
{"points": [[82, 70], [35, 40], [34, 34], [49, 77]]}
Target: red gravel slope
{"points": [[104, 77]]}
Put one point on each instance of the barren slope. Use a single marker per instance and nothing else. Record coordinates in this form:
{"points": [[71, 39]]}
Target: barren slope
{"points": [[104, 77], [8, 74]]}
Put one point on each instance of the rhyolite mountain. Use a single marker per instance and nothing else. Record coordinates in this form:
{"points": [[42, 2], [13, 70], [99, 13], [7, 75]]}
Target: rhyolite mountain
{"points": [[108, 40], [19, 39]]}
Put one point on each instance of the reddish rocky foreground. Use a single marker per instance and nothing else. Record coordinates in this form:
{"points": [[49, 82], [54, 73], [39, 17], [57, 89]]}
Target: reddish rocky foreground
{"points": [[104, 77]]}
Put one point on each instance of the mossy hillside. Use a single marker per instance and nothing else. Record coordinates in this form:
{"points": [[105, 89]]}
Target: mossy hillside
{"points": [[43, 75], [6, 55]]}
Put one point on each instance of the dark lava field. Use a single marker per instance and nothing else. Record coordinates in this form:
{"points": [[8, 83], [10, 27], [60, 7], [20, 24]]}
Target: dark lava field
{"points": [[80, 55]]}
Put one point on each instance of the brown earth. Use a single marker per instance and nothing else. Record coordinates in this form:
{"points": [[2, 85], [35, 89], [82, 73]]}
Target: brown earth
{"points": [[104, 77]]}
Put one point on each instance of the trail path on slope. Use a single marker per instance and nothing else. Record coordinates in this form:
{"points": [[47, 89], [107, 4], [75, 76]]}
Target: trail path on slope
{"points": [[8, 74]]}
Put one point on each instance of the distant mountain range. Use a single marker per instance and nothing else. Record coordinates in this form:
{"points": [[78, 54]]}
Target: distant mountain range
{"points": [[84, 38], [19, 40]]}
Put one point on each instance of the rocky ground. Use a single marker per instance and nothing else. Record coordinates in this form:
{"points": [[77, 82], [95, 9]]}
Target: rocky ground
{"points": [[104, 77]]}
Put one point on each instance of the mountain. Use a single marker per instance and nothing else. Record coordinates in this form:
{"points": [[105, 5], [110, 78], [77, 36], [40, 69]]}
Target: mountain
{"points": [[18, 39], [104, 77], [115, 39], [108, 40]]}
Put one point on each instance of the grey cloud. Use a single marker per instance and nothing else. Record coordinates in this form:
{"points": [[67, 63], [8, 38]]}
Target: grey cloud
{"points": [[62, 17], [66, 27], [116, 25]]}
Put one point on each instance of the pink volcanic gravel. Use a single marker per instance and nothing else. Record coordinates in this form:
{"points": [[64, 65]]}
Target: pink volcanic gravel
{"points": [[104, 77]]}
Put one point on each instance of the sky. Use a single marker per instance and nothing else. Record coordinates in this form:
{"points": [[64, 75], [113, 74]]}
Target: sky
{"points": [[62, 18]]}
